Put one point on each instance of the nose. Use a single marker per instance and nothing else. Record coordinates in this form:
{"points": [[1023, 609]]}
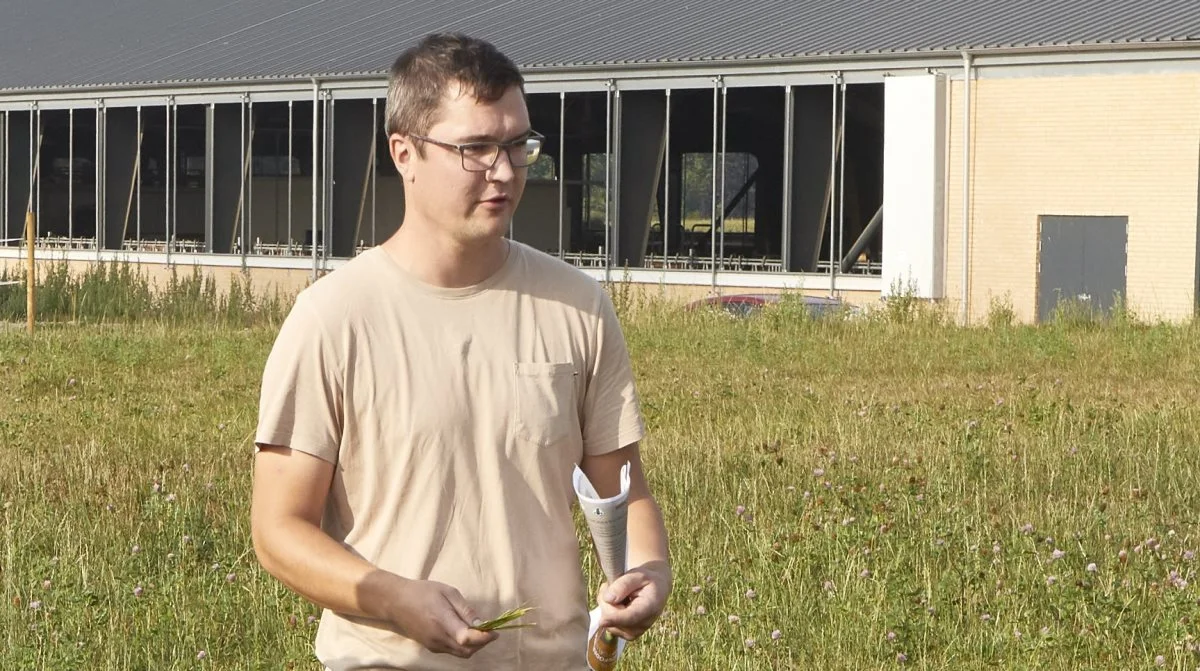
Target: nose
{"points": [[502, 170]]}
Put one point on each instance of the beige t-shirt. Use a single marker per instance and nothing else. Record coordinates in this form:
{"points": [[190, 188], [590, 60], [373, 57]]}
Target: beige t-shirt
{"points": [[454, 418]]}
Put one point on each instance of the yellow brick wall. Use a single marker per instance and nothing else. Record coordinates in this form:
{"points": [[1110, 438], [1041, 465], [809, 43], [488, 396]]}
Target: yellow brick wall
{"points": [[1126, 145]]}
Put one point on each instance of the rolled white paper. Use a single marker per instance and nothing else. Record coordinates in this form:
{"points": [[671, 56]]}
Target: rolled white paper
{"points": [[606, 518]]}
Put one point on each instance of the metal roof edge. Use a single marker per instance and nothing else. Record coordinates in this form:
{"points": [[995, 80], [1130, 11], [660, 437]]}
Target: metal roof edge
{"points": [[195, 85], [941, 57], [906, 56]]}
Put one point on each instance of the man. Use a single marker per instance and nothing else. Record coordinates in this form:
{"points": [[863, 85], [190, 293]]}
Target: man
{"points": [[424, 406]]}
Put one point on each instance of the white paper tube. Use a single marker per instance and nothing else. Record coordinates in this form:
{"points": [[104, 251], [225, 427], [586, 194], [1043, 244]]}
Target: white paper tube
{"points": [[606, 518]]}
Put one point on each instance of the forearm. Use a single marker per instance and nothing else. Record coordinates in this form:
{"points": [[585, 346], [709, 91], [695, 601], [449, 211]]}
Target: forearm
{"points": [[647, 533], [320, 569], [631, 604]]}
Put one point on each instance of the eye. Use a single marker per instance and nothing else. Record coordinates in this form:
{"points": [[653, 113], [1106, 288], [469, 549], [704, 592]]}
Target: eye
{"points": [[479, 149]]}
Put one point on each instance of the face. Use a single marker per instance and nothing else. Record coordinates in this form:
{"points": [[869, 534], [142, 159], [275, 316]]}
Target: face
{"points": [[467, 206]]}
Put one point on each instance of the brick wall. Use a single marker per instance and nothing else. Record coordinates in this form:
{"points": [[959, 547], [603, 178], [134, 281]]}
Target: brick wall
{"points": [[1125, 145]]}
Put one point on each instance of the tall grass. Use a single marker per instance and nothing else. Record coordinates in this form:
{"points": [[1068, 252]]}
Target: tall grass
{"points": [[842, 493], [119, 292]]}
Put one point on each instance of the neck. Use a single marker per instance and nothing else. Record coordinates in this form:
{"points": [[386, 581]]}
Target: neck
{"points": [[443, 261]]}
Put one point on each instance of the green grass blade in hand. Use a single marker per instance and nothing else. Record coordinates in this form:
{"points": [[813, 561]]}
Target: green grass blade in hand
{"points": [[505, 620]]}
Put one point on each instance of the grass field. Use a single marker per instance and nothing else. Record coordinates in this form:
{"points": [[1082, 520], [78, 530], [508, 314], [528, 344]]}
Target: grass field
{"points": [[861, 494]]}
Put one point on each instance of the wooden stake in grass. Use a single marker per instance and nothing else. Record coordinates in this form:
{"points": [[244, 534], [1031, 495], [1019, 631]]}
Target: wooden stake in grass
{"points": [[506, 620]]}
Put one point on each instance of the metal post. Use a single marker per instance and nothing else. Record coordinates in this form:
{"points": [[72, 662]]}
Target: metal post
{"points": [[833, 159], [137, 161], [607, 181], [71, 177], [101, 136], [169, 172], [32, 141], [173, 227], [666, 204], [724, 159], [327, 180], [712, 229], [210, 122], [834, 259], [374, 166], [4, 173], [615, 243], [249, 219], [289, 180], [172, 176], [562, 157], [241, 211], [37, 208], [315, 170]]}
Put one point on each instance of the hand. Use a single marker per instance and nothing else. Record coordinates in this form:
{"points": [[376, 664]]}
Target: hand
{"points": [[635, 600], [436, 616]]}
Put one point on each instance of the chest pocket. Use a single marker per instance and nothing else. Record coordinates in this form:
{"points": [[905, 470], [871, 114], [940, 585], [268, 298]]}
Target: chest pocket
{"points": [[545, 403]]}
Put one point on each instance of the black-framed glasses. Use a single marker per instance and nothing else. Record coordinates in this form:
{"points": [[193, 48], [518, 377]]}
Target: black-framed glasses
{"points": [[481, 156]]}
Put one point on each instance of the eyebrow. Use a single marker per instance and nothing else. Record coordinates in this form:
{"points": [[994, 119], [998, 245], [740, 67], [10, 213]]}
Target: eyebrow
{"points": [[491, 138]]}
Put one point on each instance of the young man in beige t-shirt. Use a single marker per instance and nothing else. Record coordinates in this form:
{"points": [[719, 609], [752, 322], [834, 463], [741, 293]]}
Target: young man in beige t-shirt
{"points": [[424, 406]]}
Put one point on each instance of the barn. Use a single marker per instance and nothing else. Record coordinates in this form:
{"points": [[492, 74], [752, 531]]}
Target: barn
{"points": [[984, 155]]}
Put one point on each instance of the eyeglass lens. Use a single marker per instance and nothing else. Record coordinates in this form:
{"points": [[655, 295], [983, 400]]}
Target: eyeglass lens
{"points": [[482, 155]]}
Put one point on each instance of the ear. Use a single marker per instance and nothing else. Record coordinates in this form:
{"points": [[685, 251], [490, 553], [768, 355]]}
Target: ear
{"points": [[403, 154]]}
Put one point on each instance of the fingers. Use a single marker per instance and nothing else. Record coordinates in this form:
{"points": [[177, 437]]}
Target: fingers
{"points": [[637, 615], [465, 635], [623, 623], [461, 640], [627, 634], [461, 607], [636, 607], [473, 638], [622, 588]]}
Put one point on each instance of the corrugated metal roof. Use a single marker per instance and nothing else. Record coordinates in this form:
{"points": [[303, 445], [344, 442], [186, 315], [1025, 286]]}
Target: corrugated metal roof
{"points": [[66, 43]]}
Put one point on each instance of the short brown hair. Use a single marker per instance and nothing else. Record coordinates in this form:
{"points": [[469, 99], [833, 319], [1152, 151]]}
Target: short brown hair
{"points": [[421, 74]]}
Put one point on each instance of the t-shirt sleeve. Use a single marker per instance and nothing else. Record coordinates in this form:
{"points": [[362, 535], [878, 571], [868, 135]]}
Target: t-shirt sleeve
{"points": [[300, 405], [612, 416]]}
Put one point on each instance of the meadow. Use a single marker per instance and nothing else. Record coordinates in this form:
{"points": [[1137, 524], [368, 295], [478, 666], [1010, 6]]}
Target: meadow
{"points": [[883, 492]]}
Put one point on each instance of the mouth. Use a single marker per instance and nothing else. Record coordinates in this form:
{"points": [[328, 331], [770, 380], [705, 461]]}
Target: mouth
{"points": [[496, 201]]}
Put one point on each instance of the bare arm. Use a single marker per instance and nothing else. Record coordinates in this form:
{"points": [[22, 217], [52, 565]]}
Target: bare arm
{"points": [[634, 601], [288, 500]]}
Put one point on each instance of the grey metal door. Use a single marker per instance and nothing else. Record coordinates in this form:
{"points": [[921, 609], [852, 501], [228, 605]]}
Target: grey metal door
{"points": [[1081, 259]]}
